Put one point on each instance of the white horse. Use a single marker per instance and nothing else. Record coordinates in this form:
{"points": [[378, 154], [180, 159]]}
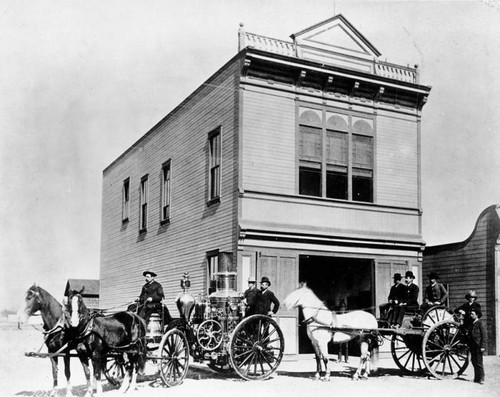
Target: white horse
{"points": [[323, 325]]}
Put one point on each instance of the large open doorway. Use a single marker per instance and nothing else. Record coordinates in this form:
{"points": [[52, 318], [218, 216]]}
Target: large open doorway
{"points": [[339, 282]]}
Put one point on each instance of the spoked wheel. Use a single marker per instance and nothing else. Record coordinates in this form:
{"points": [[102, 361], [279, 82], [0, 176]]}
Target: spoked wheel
{"points": [[446, 354], [256, 347], [174, 361], [115, 369], [435, 315], [406, 352]]}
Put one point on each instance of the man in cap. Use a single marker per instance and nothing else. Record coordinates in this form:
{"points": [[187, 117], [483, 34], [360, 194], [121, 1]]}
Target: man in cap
{"points": [[251, 296], [151, 296], [467, 307], [435, 293], [266, 298]]}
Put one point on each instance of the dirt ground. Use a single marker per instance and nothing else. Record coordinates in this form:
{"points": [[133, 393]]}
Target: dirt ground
{"points": [[27, 376]]}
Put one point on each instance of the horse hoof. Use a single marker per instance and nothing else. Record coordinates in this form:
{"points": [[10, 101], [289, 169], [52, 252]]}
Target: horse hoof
{"points": [[326, 379]]}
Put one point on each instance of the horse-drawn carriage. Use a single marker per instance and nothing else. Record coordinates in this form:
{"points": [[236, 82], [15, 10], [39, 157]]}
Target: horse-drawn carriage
{"points": [[435, 342], [216, 331], [213, 330]]}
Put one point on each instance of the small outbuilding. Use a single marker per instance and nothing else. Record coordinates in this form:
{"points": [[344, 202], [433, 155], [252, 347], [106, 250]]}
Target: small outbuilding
{"points": [[90, 293], [473, 264]]}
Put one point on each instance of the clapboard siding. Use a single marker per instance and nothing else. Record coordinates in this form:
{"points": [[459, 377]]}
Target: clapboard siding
{"points": [[397, 154], [268, 136], [471, 265], [194, 227]]}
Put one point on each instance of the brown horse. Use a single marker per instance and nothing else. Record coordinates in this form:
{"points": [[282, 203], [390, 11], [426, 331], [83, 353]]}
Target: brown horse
{"points": [[119, 333], [61, 334]]}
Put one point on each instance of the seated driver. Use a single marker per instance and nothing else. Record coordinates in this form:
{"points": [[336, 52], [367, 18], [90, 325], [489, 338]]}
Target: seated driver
{"points": [[151, 296]]}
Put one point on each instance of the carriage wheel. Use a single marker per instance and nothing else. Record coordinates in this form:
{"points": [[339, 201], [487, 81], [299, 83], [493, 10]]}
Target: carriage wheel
{"points": [[115, 369], [174, 362], [256, 347], [406, 352], [435, 315], [209, 335], [445, 350]]}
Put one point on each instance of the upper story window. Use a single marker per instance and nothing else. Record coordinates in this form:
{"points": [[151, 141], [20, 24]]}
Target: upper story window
{"points": [[214, 163], [126, 200], [335, 155], [143, 204], [165, 191]]}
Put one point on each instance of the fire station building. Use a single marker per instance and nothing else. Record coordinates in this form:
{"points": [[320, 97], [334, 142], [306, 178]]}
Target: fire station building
{"points": [[300, 158]]}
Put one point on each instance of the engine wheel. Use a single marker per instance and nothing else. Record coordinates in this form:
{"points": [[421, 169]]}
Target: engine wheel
{"points": [[446, 354], [115, 369], [406, 352], [209, 335], [256, 347], [174, 357]]}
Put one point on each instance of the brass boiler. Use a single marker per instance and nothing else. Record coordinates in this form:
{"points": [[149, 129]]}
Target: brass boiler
{"points": [[185, 301], [225, 300]]}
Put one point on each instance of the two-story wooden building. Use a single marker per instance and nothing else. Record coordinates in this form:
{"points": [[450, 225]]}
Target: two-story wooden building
{"points": [[302, 158]]}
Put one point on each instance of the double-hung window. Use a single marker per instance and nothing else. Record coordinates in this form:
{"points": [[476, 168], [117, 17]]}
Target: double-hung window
{"points": [[125, 200], [335, 154], [214, 165], [213, 267], [143, 204], [165, 191]]}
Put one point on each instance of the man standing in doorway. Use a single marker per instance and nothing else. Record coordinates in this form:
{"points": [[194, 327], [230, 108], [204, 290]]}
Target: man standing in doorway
{"points": [[267, 298], [251, 296]]}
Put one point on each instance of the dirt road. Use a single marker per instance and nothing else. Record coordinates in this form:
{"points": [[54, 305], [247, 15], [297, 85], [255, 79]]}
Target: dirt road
{"points": [[25, 376]]}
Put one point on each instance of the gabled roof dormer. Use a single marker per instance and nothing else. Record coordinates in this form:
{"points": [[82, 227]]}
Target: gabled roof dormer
{"points": [[336, 42]]}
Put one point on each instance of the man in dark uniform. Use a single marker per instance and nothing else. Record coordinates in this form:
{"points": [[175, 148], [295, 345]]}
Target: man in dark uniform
{"points": [[151, 296], [397, 295], [477, 342], [251, 296], [435, 294], [411, 299], [265, 299]]}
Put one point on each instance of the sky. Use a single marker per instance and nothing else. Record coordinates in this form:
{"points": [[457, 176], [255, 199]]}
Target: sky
{"points": [[81, 81]]}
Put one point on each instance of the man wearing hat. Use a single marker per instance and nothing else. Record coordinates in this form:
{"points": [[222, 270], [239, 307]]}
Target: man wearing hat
{"points": [[411, 301], [467, 307], [265, 299], [396, 297], [435, 293], [151, 296], [251, 296]]}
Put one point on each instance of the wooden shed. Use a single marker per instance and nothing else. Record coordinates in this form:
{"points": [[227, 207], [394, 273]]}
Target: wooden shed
{"points": [[90, 293], [473, 264]]}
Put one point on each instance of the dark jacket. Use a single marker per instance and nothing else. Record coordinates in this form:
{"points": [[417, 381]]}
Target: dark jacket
{"points": [[477, 335], [252, 296], [397, 294], [435, 293], [467, 308], [412, 295], [152, 290], [264, 302]]}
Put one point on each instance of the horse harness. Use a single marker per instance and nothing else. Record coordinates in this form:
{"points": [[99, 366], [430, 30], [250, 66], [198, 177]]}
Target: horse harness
{"points": [[314, 318]]}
